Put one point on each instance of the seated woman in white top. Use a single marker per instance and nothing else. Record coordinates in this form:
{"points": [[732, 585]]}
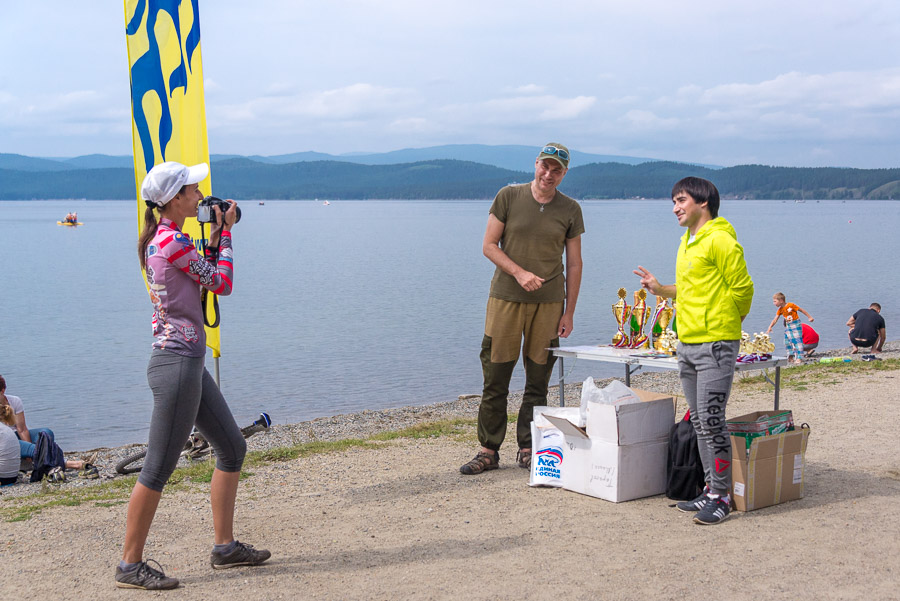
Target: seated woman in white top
{"points": [[9, 448]]}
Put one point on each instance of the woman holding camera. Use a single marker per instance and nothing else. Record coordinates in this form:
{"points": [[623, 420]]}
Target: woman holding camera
{"points": [[184, 394]]}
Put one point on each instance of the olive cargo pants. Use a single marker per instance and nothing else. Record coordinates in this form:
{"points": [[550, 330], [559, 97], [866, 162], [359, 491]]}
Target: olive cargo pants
{"points": [[509, 326]]}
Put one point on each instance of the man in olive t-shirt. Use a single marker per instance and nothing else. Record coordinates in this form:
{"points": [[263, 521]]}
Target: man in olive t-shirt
{"points": [[532, 299]]}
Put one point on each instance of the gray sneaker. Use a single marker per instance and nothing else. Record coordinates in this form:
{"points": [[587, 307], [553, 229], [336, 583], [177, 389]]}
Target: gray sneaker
{"points": [[695, 505], [146, 578], [714, 511], [241, 555]]}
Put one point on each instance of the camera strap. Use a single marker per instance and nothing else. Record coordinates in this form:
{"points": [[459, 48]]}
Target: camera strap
{"points": [[204, 295], [204, 300]]}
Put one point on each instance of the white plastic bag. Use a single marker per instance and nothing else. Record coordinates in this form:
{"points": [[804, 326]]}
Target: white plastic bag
{"points": [[548, 446], [616, 393]]}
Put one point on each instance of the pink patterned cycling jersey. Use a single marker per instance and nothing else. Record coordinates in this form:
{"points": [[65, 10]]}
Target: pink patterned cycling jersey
{"points": [[176, 273]]}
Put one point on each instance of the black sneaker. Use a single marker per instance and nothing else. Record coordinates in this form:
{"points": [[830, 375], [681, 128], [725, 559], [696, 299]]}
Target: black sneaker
{"points": [[241, 555], [146, 578], [695, 505], [714, 511]]}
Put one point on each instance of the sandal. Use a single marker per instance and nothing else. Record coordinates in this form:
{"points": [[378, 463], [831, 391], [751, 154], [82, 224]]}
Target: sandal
{"points": [[523, 458], [481, 463]]}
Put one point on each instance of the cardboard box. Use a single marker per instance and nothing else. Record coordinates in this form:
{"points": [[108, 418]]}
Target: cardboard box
{"points": [[621, 454], [634, 423], [760, 423], [771, 472]]}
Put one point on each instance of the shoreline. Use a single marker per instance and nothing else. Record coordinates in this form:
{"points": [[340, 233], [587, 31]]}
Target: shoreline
{"points": [[363, 424]]}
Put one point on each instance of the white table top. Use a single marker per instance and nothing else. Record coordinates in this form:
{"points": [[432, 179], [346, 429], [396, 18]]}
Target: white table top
{"points": [[632, 356]]}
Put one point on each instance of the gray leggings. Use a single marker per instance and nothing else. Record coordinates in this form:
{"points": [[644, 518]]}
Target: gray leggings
{"points": [[707, 371], [184, 395]]}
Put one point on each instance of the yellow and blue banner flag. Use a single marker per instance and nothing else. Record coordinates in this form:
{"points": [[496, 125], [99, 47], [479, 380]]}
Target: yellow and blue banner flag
{"points": [[168, 113]]}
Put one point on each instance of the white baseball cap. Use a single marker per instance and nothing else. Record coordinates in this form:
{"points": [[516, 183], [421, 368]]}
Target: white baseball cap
{"points": [[165, 180]]}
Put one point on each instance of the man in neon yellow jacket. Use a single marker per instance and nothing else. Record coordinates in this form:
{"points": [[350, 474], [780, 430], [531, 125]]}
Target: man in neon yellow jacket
{"points": [[714, 293]]}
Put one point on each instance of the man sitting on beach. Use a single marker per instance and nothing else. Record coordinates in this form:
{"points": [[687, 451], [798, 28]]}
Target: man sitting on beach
{"points": [[530, 227], [867, 329]]}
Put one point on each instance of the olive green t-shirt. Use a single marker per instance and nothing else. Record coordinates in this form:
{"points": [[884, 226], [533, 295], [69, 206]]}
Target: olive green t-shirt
{"points": [[535, 241]]}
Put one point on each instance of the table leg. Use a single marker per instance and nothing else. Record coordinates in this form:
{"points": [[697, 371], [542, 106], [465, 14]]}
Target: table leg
{"points": [[562, 384], [777, 385]]}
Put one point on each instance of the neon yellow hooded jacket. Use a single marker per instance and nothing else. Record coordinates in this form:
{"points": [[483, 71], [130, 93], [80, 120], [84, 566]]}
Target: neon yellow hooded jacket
{"points": [[713, 289]]}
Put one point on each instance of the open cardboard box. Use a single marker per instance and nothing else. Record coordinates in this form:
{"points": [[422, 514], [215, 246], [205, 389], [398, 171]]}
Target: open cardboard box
{"points": [[771, 472], [621, 454]]}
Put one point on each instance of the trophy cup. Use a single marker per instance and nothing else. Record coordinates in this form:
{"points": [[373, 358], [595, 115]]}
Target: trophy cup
{"points": [[640, 313], [668, 342], [662, 316], [622, 313]]}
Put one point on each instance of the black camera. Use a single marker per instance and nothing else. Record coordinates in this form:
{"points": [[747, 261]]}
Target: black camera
{"points": [[205, 214]]}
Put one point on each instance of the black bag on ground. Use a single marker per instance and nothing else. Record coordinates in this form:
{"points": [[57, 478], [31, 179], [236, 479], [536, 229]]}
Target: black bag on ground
{"points": [[47, 455], [684, 469]]}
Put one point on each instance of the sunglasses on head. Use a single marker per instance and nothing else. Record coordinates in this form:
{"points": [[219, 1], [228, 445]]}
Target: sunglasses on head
{"points": [[557, 151]]}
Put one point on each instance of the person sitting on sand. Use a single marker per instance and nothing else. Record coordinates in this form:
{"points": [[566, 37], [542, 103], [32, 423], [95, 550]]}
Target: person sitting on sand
{"points": [[867, 329], [27, 437], [9, 448], [793, 333]]}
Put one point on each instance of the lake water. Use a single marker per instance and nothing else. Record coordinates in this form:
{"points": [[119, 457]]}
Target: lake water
{"points": [[372, 304]]}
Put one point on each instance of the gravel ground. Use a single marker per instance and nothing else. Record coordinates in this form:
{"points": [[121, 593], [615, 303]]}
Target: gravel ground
{"points": [[367, 423], [400, 522]]}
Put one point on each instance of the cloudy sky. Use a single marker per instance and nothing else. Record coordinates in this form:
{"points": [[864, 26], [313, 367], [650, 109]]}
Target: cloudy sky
{"points": [[802, 83]]}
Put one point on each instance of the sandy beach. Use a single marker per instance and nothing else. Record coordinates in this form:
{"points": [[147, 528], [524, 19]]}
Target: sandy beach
{"points": [[400, 522]]}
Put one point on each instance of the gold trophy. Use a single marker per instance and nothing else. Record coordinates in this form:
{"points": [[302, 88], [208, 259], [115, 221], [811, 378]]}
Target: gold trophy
{"points": [[641, 312], [668, 342], [662, 315], [622, 313]]}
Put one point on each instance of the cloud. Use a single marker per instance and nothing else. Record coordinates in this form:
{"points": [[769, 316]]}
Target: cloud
{"points": [[519, 110], [839, 90], [413, 125], [646, 120], [529, 89], [279, 110]]}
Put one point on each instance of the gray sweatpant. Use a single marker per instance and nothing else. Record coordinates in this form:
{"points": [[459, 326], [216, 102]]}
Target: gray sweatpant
{"points": [[184, 395], [707, 371]]}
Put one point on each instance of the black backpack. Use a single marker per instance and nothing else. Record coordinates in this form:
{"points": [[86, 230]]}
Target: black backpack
{"points": [[684, 469]]}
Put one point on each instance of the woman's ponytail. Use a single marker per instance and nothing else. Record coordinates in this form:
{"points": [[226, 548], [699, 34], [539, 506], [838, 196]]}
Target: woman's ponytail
{"points": [[7, 415], [150, 225]]}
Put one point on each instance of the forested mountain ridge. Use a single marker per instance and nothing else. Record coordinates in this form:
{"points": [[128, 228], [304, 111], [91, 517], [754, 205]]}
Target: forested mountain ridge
{"points": [[242, 178]]}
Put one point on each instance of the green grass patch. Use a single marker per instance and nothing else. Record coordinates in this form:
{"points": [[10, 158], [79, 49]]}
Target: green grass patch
{"points": [[194, 477]]}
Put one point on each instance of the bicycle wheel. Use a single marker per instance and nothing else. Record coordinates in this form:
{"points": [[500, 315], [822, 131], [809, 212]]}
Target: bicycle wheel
{"points": [[129, 466]]}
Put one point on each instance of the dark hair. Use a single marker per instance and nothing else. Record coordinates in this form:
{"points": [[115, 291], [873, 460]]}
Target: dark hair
{"points": [[701, 190], [2, 384], [875, 306], [149, 229]]}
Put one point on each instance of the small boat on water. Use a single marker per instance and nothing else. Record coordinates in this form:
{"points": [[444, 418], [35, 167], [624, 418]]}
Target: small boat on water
{"points": [[262, 202], [70, 223], [326, 203]]}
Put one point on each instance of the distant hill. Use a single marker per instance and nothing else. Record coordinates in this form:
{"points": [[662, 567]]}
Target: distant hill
{"points": [[505, 157], [245, 178], [23, 163]]}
